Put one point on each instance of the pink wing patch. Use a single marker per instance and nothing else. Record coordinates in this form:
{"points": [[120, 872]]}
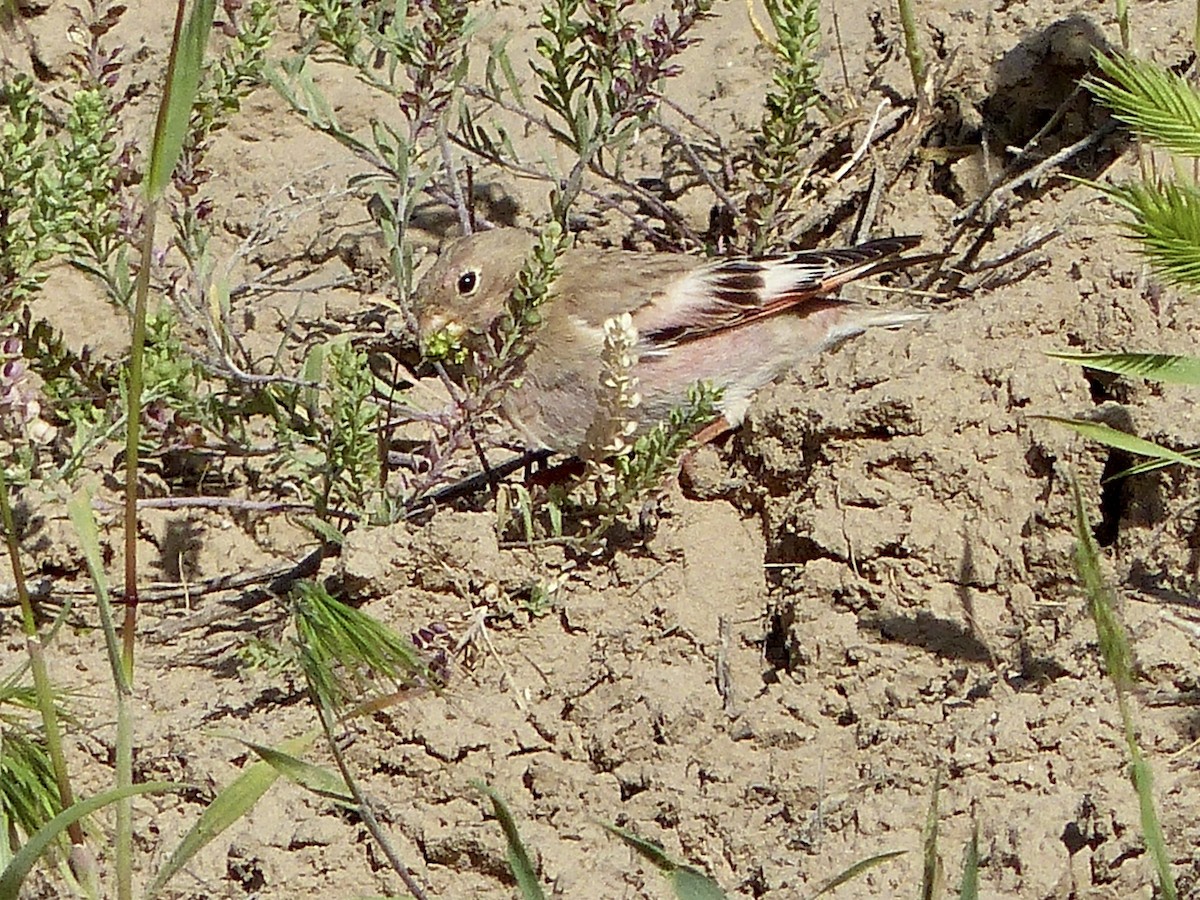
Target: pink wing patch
{"points": [[736, 292]]}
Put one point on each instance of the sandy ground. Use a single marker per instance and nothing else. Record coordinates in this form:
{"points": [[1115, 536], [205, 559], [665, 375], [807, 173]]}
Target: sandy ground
{"points": [[866, 590]]}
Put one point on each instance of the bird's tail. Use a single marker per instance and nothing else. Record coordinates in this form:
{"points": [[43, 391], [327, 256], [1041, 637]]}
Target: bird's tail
{"points": [[856, 322]]}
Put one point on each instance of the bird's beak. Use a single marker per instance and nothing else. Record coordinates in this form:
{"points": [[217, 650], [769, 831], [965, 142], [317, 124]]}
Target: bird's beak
{"points": [[428, 325], [438, 336]]}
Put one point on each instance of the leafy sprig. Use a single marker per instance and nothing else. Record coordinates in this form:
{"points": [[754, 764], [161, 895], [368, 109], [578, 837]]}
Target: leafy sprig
{"points": [[786, 129], [350, 470], [599, 80], [36, 213], [1158, 105], [1163, 109], [622, 468]]}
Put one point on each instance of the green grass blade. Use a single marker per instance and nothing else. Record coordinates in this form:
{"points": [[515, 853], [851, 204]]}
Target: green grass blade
{"points": [[970, 879], [226, 808], [1117, 654], [857, 869], [79, 508], [692, 884], [320, 781], [931, 866], [1164, 367], [1114, 645], [1165, 225], [1158, 105], [1119, 440], [1151, 465], [22, 863], [648, 850], [688, 882], [518, 857], [183, 80], [1152, 833]]}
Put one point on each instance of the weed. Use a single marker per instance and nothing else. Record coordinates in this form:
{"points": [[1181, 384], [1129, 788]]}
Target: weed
{"points": [[1117, 655], [1165, 110], [786, 129]]}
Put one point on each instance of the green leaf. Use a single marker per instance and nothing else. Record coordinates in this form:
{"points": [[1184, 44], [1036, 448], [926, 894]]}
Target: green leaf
{"points": [[931, 867], [19, 867], [1164, 367], [1119, 440], [1117, 654], [857, 869], [688, 882], [326, 531], [1166, 224], [518, 858], [650, 851], [970, 881], [79, 508], [183, 79], [692, 884], [1155, 103], [1151, 465], [320, 781], [226, 808]]}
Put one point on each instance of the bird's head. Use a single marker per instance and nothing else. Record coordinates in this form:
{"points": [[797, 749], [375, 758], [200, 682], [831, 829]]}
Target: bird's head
{"points": [[468, 287]]}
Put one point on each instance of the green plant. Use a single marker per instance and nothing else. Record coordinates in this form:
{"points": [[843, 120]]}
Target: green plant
{"points": [[343, 654], [778, 156], [686, 881], [622, 471], [62, 180], [1164, 110], [425, 61], [1160, 367], [37, 229], [350, 470], [38, 189], [600, 83], [1117, 656], [28, 799], [912, 48]]}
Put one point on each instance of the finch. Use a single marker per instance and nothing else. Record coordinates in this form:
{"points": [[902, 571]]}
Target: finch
{"points": [[738, 323]]}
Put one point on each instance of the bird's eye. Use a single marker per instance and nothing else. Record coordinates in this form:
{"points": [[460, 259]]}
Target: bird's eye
{"points": [[467, 282]]}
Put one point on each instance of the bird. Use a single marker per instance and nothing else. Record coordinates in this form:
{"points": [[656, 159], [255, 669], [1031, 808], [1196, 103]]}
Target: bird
{"points": [[739, 323]]}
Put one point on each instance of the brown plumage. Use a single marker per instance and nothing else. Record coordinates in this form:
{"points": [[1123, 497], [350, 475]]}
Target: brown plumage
{"points": [[739, 323]]}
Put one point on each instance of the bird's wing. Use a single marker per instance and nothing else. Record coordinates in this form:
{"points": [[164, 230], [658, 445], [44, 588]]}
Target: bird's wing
{"points": [[709, 299], [598, 284]]}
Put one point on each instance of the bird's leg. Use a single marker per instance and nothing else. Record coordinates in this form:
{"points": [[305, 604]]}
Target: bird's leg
{"points": [[492, 479], [709, 433]]}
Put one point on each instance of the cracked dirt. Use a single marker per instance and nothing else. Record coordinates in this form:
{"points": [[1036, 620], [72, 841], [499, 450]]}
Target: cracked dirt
{"points": [[868, 588]]}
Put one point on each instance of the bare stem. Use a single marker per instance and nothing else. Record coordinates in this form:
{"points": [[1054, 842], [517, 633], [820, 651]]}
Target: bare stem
{"points": [[912, 47]]}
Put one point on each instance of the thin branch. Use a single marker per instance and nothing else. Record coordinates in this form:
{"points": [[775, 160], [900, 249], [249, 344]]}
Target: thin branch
{"points": [[861, 150], [698, 167], [967, 216], [365, 812], [460, 205]]}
